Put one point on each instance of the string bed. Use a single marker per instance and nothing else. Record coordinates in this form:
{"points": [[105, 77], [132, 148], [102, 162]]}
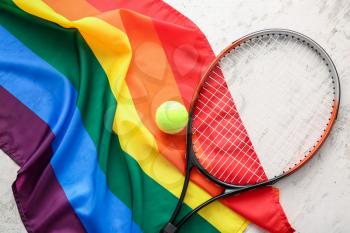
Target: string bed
{"points": [[262, 109]]}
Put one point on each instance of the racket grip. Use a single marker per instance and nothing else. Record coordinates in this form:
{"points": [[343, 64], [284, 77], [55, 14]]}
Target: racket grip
{"points": [[169, 228]]}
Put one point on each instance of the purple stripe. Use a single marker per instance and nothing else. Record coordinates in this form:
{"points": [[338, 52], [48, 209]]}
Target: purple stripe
{"points": [[40, 199]]}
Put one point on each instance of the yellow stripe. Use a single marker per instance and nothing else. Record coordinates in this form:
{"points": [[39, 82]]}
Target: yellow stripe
{"points": [[112, 49]]}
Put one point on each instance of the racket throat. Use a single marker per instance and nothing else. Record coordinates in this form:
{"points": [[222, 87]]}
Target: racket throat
{"points": [[170, 227]]}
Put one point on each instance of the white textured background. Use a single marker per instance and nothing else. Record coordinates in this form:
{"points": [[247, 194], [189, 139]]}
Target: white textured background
{"points": [[316, 198]]}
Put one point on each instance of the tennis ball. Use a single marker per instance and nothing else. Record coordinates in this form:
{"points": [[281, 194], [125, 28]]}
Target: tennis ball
{"points": [[171, 117]]}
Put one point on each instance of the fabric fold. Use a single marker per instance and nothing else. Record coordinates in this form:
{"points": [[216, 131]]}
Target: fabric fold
{"points": [[113, 161], [40, 88], [116, 88], [40, 199]]}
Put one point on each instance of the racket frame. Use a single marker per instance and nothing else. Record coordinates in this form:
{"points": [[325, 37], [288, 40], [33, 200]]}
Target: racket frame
{"points": [[230, 189], [237, 43]]}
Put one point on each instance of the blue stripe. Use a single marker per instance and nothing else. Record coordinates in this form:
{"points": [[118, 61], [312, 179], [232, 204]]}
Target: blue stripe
{"points": [[51, 96]]}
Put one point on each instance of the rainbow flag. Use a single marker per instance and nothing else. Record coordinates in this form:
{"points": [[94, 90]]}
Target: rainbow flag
{"points": [[80, 82]]}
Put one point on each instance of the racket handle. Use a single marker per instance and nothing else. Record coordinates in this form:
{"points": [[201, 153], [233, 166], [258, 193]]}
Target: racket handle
{"points": [[169, 228]]}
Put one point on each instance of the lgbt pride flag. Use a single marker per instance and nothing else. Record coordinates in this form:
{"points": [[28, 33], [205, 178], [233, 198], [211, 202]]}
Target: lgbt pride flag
{"points": [[80, 82]]}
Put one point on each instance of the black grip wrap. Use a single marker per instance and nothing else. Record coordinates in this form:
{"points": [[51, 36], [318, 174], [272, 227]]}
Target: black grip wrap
{"points": [[169, 228]]}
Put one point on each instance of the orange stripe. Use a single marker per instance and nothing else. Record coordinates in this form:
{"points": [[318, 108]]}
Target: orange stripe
{"points": [[149, 78], [77, 9], [72, 10], [150, 72]]}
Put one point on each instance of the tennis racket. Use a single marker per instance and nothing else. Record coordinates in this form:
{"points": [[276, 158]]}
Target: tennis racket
{"points": [[263, 109]]}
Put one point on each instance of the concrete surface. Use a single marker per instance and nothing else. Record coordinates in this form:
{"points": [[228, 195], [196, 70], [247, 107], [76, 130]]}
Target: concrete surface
{"points": [[316, 198]]}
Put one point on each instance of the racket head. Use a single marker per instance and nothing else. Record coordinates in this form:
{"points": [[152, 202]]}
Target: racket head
{"points": [[234, 137]]}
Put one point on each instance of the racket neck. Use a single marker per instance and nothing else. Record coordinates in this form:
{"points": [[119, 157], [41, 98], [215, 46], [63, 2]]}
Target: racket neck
{"points": [[189, 166]]}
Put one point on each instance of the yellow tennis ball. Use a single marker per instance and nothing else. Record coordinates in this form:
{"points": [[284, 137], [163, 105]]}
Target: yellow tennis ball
{"points": [[171, 117]]}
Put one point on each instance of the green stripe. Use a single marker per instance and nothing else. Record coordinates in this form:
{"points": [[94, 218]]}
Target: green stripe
{"points": [[66, 51]]}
